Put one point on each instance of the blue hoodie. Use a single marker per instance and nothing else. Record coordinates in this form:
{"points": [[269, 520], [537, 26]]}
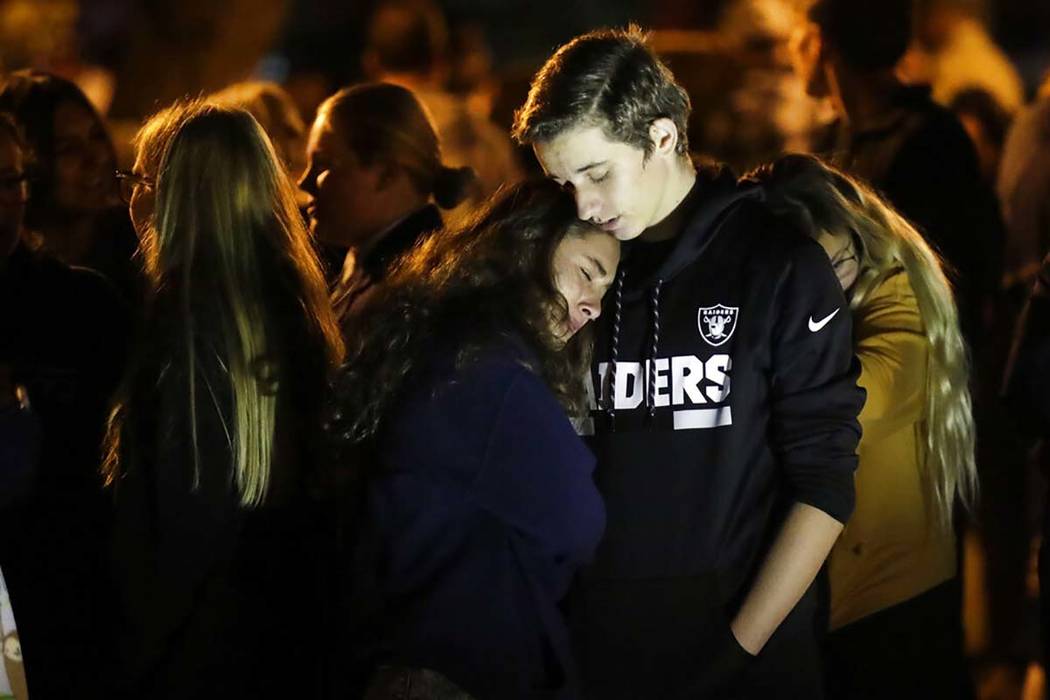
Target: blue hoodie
{"points": [[484, 509]]}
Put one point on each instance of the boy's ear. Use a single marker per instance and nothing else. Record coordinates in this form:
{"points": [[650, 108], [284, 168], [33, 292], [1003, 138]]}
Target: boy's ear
{"points": [[663, 134]]}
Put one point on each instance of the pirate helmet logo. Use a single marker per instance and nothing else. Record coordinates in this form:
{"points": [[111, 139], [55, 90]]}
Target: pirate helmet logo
{"points": [[717, 323]]}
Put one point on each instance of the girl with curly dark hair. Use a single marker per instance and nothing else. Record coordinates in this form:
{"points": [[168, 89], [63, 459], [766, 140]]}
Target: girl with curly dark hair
{"points": [[478, 501]]}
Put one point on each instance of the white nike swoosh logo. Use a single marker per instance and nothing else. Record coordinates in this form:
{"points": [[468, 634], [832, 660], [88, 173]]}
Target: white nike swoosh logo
{"points": [[815, 326]]}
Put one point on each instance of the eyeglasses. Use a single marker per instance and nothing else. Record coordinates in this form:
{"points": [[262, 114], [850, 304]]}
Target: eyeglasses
{"points": [[129, 181], [845, 254], [839, 261], [14, 188], [851, 252]]}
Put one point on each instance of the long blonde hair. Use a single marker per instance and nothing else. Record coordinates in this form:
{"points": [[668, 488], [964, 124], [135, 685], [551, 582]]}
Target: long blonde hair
{"points": [[827, 200], [227, 250]]}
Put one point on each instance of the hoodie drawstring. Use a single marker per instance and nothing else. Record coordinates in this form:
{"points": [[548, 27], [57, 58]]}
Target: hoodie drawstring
{"points": [[610, 395], [650, 394]]}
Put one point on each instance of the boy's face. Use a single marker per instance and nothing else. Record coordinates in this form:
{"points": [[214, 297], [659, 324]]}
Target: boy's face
{"points": [[615, 185]]}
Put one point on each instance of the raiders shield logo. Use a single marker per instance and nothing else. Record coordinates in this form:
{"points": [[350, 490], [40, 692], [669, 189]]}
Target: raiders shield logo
{"points": [[717, 323]]}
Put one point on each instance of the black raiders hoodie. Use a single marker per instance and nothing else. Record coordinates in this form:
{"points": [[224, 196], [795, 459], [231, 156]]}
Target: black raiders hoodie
{"points": [[725, 391]]}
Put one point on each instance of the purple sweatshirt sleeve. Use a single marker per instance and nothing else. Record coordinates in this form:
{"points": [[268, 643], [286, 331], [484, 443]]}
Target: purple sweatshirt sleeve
{"points": [[536, 474]]}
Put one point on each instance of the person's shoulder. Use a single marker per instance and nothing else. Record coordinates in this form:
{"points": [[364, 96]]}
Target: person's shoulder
{"points": [[472, 387], [803, 257], [488, 365], [79, 287], [739, 206], [776, 237], [95, 299], [780, 248], [505, 370], [93, 283], [893, 292], [896, 285], [503, 360], [891, 310]]}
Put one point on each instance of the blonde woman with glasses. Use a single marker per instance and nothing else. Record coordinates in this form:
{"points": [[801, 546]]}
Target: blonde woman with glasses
{"points": [[895, 607], [212, 448]]}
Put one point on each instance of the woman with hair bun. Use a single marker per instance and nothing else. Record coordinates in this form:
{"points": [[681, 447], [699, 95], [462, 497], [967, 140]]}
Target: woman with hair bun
{"points": [[376, 179]]}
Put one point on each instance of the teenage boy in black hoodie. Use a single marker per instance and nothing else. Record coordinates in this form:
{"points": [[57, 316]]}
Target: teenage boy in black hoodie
{"points": [[726, 385]]}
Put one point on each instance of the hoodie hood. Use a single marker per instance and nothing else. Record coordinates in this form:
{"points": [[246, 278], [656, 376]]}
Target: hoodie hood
{"points": [[715, 193]]}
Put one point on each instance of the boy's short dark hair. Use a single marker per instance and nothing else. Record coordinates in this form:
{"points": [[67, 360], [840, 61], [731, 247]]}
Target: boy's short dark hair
{"points": [[608, 78], [869, 35]]}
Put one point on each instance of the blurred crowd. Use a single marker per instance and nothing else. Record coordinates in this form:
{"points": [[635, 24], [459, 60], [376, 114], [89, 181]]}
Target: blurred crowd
{"points": [[950, 121]]}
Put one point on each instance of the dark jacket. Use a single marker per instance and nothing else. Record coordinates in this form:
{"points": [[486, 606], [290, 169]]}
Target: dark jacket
{"points": [[217, 599], [63, 333], [735, 397], [371, 269], [113, 254], [482, 512]]}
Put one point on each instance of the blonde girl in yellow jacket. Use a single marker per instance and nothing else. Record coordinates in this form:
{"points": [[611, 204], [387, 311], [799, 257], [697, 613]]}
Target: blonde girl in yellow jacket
{"points": [[895, 616]]}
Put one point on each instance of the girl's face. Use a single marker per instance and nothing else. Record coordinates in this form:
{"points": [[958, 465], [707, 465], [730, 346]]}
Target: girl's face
{"points": [[583, 266], [83, 167], [343, 193], [141, 201], [845, 257]]}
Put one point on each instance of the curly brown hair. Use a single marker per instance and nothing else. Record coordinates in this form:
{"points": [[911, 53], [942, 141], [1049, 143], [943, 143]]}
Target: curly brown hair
{"points": [[491, 279]]}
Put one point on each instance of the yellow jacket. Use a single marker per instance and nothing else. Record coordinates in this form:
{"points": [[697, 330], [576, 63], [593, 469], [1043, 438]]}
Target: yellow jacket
{"points": [[893, 548]]}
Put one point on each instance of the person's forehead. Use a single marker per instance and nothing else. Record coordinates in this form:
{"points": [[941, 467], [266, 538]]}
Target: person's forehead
{"points": [[572, 151], [593, 243], [324, 139], [320, 129]]}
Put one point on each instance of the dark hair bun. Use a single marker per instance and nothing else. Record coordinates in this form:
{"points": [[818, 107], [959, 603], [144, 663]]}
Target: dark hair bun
{"points": [[453, 185]]}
